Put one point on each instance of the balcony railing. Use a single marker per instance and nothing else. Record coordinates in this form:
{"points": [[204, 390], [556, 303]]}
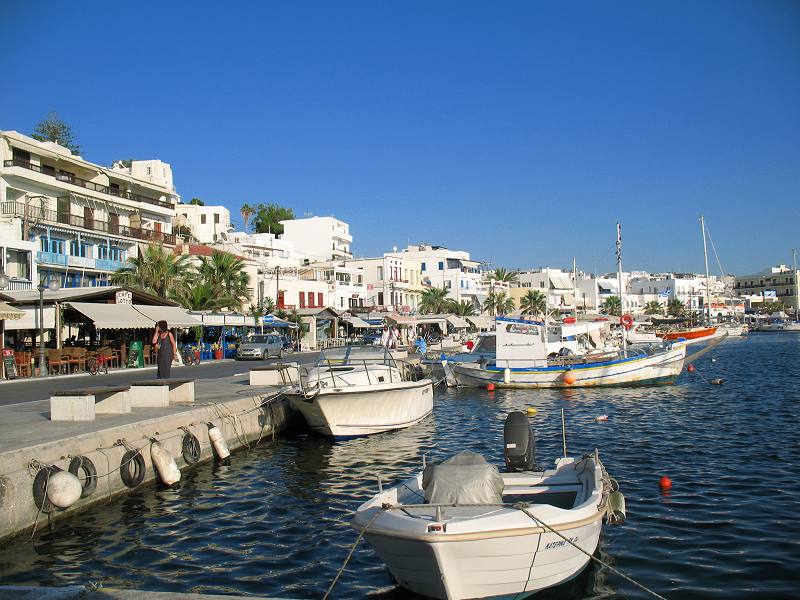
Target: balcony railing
{"points": [[18, 284], [89, 185], [18, 209], [63, 260]]}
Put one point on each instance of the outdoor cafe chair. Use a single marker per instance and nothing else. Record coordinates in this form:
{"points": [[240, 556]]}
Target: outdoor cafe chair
{"points": [[22, 360], [55, 361]]}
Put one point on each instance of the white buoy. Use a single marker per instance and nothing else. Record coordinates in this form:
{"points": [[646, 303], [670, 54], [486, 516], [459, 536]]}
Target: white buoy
{"points": [[166, 466], [218, 442], [506, 375], [63, 489]]}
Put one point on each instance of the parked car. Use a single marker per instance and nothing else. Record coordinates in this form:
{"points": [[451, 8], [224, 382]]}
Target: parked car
{"points": [[260, 346]]}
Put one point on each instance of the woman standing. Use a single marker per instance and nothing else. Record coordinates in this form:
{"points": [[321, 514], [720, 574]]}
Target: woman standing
{"points": [[167, 349]]}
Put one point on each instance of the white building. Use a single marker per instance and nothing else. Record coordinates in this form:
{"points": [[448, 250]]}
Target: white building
{"points": [[207, 224], [776, 284], [346, 286], [17, 259], [450, 269], [557, 285], [86, 220], [393, 281], [688, 288], [323, 238]]}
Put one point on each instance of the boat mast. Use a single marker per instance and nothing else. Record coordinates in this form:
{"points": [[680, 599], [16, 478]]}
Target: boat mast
{"points": [[796, 287], [705, 257], [575, 286], [619, 280]]}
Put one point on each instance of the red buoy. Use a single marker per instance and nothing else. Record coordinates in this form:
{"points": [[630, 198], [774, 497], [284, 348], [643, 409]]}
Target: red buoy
{"points": [[665, 482], [490, 387], [690, 368]]}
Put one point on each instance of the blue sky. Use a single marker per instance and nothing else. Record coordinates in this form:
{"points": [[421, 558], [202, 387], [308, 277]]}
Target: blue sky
{"points": [[520, 131]]}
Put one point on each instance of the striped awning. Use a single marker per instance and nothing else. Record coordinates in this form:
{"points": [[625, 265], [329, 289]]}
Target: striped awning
{"points": [[9, 313], [113, 316]]}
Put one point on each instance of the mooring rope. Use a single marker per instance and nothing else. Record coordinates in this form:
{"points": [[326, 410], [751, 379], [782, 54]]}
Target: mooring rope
{"points": [[350, 554]]}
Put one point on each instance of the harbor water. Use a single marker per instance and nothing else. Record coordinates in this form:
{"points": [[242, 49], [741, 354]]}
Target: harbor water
{"points": [[274, 521]]}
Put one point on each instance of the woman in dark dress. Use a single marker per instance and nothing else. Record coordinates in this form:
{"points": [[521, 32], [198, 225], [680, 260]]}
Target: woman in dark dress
{"points": [[167, 350]]}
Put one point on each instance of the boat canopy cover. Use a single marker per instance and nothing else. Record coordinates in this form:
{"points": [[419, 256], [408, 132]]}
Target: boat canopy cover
{"points": [[465, 478]]}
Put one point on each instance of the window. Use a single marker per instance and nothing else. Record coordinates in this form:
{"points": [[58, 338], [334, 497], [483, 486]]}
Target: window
{"points": [[302, 299], [441, 265], [149, 171], [216, 217], [81, 249], [380, 273], [18, 263], [202, 219], [422, 267], [448, 284], [320, 303], [54, 245]]}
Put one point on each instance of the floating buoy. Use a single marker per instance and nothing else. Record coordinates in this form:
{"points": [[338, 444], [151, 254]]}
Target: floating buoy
{"points": [[713, 360], [717, 381], [690, 368], [601, 418], [63, 489], [665, 482], [489, 387], [165, 465], [531, 411], [569, 378], [218, 442]]}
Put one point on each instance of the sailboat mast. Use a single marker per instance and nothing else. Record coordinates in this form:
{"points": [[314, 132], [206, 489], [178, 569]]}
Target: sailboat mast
{"points": [[796, 287], [705, 257], [575, 286], [621, 295]]}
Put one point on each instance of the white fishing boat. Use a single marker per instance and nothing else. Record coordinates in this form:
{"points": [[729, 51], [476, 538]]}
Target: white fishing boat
{"points": [[356, 391], [461, 529]]}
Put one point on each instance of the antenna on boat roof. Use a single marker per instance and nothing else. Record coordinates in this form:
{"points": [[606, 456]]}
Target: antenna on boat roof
{"points": [[564, 433]]}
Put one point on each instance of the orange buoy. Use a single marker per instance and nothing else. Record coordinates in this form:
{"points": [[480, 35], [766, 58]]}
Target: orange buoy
{"points": [[665, 482], [690, 368], [490, 387], [569, 378], [626, 321]]}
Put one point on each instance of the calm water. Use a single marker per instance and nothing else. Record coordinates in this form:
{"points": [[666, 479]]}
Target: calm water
{"points": [[274, 521]]}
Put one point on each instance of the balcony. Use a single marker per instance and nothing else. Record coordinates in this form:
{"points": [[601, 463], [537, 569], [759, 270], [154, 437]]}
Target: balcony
{"points": [[16, 284], [35, 214], [64, 260], [89, 185]]}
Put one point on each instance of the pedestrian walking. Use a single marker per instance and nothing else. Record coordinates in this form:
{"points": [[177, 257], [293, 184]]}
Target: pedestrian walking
{"points": [[167, 350]]}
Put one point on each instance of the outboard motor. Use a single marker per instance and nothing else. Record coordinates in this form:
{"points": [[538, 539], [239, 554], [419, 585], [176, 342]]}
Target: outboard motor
{"points": [[519, 443]]}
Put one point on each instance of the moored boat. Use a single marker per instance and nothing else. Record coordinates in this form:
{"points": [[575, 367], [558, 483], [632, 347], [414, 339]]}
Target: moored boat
{"points": [[357, 391], [691, 333], [461, 529]]}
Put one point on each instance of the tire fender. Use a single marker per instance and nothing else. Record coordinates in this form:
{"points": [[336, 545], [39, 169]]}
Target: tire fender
{"points": [[89, 480]]}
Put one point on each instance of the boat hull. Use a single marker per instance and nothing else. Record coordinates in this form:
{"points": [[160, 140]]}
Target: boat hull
{"points": [[499, 567], [689, 334], [363, 410], [662, 367]]}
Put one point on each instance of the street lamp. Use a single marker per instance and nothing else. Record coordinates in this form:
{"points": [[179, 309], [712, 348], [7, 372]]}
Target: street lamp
{"points": [[53, 286], [4, 280]]}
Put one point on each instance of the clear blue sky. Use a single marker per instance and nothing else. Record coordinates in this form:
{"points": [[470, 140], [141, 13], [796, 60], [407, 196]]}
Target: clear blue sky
{"points": [[520, 131]]}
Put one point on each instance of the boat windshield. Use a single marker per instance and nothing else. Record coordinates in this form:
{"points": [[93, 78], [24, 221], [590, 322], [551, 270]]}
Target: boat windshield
{"points": [[486, 343], [349, 355]]}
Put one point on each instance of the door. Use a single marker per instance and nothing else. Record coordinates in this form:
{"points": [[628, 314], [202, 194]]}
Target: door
{"points": [[88, 217], [63, 206]]}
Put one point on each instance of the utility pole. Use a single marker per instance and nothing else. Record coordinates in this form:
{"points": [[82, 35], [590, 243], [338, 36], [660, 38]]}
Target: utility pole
{"points": [[277, 285]]}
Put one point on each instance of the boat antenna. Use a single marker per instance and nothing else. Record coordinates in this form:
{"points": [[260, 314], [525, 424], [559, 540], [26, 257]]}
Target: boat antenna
{"points": [[619, 280], [708, 284], [564, 433]]}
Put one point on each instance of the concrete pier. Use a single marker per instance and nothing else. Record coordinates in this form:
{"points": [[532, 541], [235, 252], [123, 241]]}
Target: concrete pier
{"points": [[29, 440]]}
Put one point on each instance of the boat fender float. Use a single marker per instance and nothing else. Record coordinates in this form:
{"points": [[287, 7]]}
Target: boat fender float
{"points": [[165, 465], [489, 387], [64, 489], [616, 508], [88, 478], [690, 368], [132, 468], [506, 375], [40, 484], [218, 442], [717, 381], [569, 377], [190, 448]]}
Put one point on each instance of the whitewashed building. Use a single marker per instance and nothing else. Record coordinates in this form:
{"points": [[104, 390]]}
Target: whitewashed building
{"points": [[207, 224], [86, 220], [450, 269], [393, 281], [322, 238]]}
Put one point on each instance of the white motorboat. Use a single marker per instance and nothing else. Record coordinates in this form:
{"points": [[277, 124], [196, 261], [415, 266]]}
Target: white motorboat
{"points": [[356, 391], [461, 529]]}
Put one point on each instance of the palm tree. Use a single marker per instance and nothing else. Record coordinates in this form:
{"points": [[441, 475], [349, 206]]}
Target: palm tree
{"points": [[653, 308], [675, 308], [203, 295], [156, 270], [434, 300], [269, 305], [225, 271], [533, 302], [612, 306], [498, 303], [501, 274], [462, 309], [246, 211]]}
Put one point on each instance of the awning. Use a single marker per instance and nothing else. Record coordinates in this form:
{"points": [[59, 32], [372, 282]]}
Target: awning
{"points": [[457, 322], [10, 313], [560, 282], [175, 316], [113, 316], [30, 318], [568, 300], [357, 322], [401, 319], [480, 322]]}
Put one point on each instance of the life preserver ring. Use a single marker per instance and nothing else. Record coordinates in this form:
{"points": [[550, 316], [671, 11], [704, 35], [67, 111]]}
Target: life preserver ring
{"points": [[627, 321], [89, 479], [40, 488], [190, 448], [132, 468]]}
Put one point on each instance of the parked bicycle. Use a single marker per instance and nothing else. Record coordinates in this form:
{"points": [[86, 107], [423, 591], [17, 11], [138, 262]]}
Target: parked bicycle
{"points": [[98, 363], [190, 356]]}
